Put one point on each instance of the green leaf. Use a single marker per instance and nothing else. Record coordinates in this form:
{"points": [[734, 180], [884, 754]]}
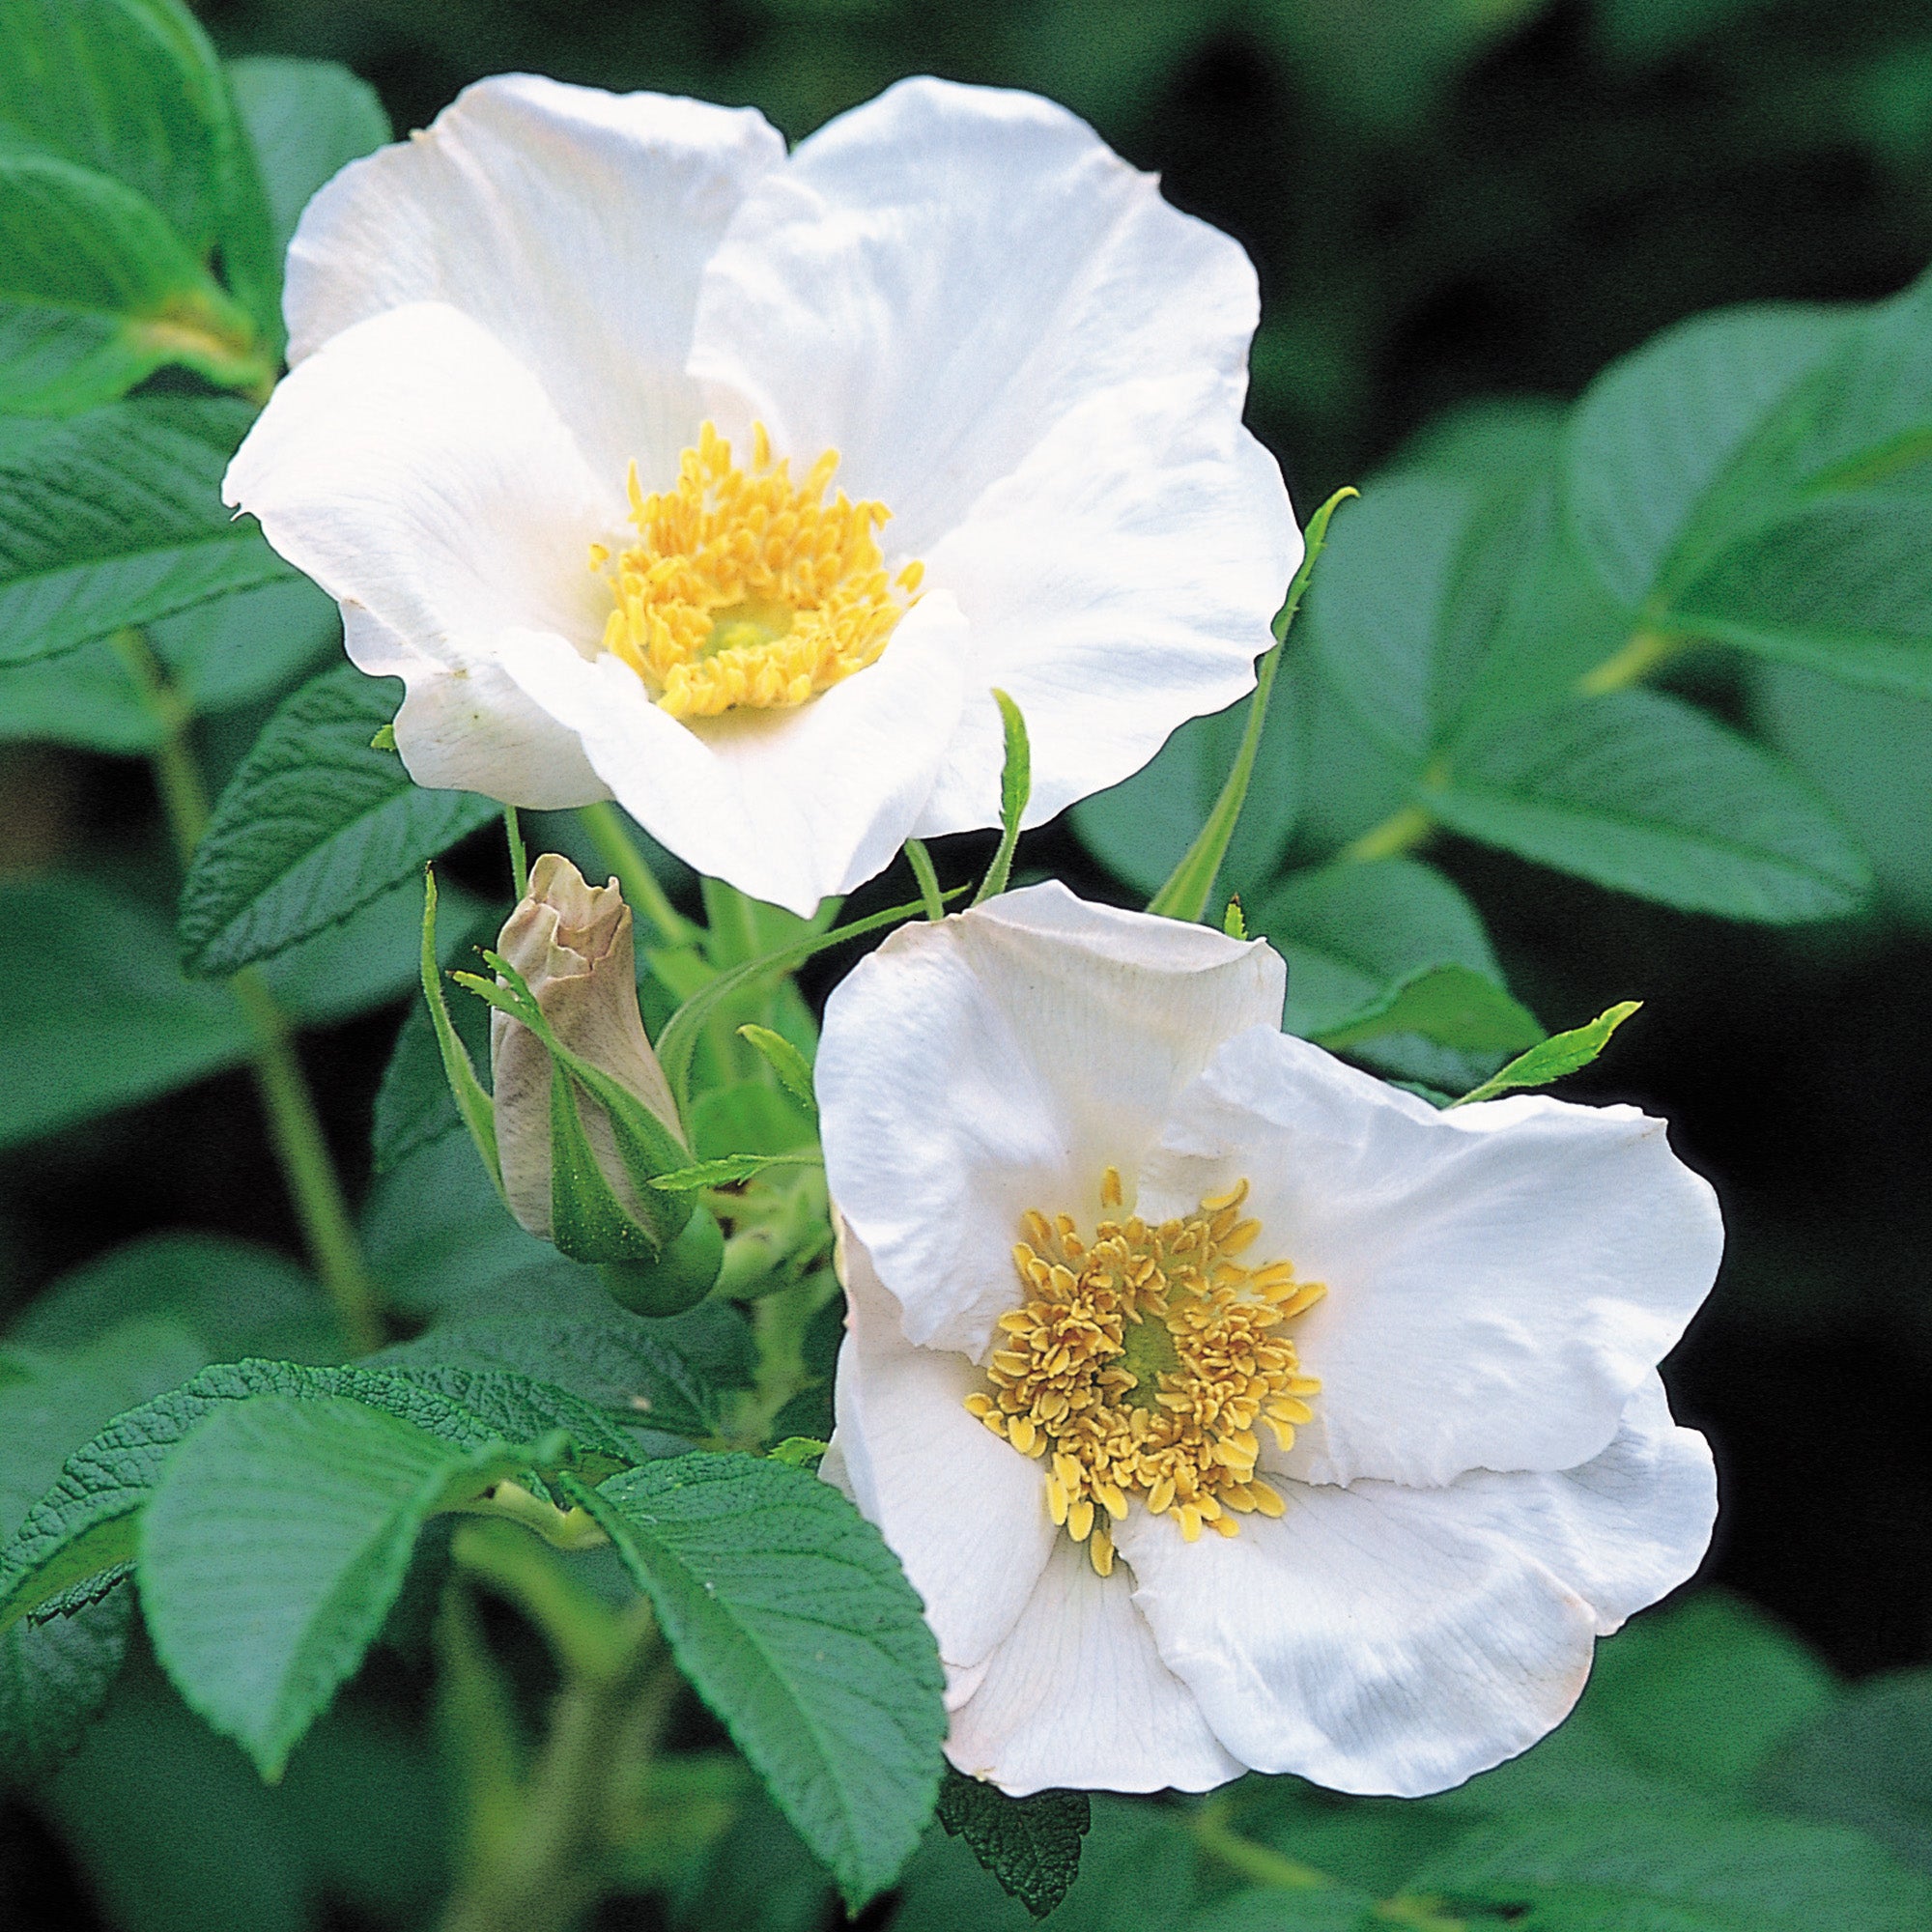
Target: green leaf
{"points": [[55, 1676], [1702, 1694], [1641, 792], [727, 1170], [793, 1070], [312, 826], [1278, 1908], [131, 89], [96, 292], [1589, 1872], [1654, 436], [230, 651], [1015, 789], [85, 1523], [233, 1297], [1867, 753], [118, 1024], [1756, 477], [1865, 1760], [116, 518], [795, 1624], [1552, 1057], [680, 1372], [415, 1105], [462, 1090], [1452, 1005], [271, 1553], [1352, 932], [307, 119], [1032, 1845]]}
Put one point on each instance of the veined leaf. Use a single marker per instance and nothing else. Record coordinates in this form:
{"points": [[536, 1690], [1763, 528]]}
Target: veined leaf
{"points": [[132, 90], [275, 1543], [1641, 792], [115, 518], [1032, 1845], [96, 292], [314, 825], [795, 1624]]}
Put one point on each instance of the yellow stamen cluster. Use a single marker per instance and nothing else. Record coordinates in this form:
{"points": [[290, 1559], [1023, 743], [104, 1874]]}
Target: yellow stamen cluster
{"points": [[1140, 1364], [748, 589]]}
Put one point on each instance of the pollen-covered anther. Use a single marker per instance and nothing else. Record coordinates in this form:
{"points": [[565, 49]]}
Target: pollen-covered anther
{"points": [[1141, 1364], [746, 591]]}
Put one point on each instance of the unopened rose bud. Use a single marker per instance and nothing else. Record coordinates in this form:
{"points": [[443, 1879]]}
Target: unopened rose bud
{"points": [[571, 941]]}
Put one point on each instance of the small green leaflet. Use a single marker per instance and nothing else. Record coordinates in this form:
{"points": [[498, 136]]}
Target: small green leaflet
{"points": [[794, 1622], [313, 825], [727, 1170], [793, 1070], [1032, 1845], [274, 1545], [1552, 1057], [799, 1452], [1453, 1004], [1015, 789]]}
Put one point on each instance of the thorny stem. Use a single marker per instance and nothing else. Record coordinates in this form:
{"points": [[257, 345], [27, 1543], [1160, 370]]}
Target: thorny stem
{"points": [[537, 1843], [617, 850], [1261, 1864], [295, 1128]]}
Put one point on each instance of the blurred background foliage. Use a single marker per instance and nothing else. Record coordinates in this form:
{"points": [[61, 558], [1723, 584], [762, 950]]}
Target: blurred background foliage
{"points": [[1460, 211]]}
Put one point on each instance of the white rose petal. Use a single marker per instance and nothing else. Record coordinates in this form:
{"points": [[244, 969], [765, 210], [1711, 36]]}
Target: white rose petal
{"points": [[1411, 1456], [1034, 363]]}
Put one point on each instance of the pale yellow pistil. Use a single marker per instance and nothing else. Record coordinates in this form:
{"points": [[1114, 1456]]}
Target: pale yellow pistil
{"points": [[1142, 1362], [747, 589]]}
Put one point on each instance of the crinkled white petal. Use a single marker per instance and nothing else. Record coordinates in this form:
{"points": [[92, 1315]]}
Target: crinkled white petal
{"points": [[1384, 1640], [999, 1060], [419, 474], [940, 276], [964, 1510], [1501, 1277], [470, 728], [572, 223], [1120, 582], [1077, 1697], [789, 806]]}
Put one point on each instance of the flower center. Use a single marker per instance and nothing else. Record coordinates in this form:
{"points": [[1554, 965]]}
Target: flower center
{"points": [[1141, 1362], [747, 589]]}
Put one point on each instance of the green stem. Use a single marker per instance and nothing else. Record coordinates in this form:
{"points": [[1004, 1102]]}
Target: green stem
{"points": [[307, 1167], [1635, 661], [1262, 1865], [617, 850], [1399, 831], [538, 1866], [294, 1125], [520, 863], [922, 869]]}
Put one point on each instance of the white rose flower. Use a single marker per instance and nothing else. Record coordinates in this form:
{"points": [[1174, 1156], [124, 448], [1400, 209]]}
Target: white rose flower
{"points": [[664, 465], [1227, 1407]]}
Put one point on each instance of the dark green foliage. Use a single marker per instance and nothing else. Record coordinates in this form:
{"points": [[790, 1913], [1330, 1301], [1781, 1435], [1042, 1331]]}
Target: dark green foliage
{"points": [[796, 1625], [1032, 1845], [313, 826]]}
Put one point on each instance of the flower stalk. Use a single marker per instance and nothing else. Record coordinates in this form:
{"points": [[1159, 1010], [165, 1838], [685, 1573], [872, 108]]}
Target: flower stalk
{"points": [[295, 1128]]}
